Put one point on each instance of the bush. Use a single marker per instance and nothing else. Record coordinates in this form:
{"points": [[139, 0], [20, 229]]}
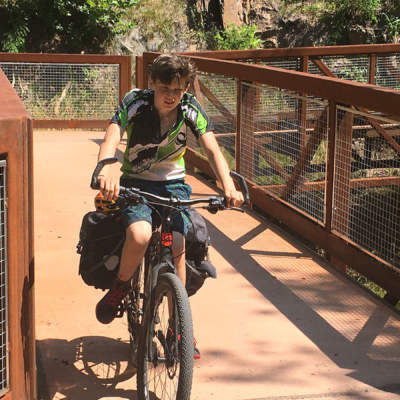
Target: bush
{"points": [[237, 38]]}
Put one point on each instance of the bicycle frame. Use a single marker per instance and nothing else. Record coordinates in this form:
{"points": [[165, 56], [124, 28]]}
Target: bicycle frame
{"points": [[165, 307]]}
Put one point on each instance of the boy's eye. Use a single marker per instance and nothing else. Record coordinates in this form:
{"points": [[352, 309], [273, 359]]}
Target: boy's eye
{"points": [[165, 89]]}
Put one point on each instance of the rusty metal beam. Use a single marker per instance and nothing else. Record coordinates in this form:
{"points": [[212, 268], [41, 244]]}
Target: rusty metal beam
{"points": [[197, 90], [299, 51], [319, 186], [270, 160], [64, 58], [306, 154], [71, 124], [372, 69], [197, 160], [16, 148], [341, 91], [139, 72]]}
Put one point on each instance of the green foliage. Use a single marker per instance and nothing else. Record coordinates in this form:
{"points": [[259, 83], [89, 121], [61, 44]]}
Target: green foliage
{"points": [[354, 11], [61, 25], [391, 25], [237, 38], [161, 22], [365, 282]]}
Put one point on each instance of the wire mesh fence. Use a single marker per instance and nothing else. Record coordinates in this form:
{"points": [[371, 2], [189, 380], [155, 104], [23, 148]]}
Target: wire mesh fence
{"points": [[353, 68], [291, 63], [283, 145], [367, 183], [218, 95], [65, 91], [4, 379], [388, 71]]}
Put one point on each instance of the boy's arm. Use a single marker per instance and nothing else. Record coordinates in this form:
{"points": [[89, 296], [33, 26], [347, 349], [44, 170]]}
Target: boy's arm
{"points": [[109, 184], [221, 169]]}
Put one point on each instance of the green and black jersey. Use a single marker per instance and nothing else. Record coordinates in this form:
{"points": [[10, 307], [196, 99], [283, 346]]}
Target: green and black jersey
{"points": [[150, 155]]}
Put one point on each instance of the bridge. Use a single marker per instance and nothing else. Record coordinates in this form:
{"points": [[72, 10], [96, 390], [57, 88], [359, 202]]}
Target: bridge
{"points": [[316, 134], [279, 322]]}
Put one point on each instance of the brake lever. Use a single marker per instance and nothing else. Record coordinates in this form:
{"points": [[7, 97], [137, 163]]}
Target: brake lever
{"points": [[94, 182]]}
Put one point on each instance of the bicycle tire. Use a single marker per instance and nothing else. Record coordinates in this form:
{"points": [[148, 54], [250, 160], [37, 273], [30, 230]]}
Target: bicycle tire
{"points": [[165, 359], [134, 304]]}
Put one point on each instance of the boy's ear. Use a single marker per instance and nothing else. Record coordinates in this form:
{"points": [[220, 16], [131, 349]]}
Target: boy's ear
{"points": [[151, 83]]}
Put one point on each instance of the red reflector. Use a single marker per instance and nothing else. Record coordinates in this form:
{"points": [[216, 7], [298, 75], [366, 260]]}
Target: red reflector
{"points": [[166, 239]]}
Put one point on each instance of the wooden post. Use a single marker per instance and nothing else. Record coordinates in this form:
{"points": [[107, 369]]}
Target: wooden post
{"points": [[372, 69], [139, 72], [125, 76], [16, 149]]}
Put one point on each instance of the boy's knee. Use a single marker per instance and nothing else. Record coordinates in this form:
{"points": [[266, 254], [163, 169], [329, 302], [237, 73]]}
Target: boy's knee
{"points": [[139, 233]]}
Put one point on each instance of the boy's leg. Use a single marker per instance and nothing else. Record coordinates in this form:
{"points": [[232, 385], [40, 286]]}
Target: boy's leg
{"points": [[138, 235], [178, 253]]}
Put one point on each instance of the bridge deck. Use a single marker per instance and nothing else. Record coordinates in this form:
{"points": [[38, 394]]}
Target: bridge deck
{"points": [[278, 323]]}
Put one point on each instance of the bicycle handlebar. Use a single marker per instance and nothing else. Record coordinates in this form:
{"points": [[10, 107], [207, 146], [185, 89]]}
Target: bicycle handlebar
{"points": [[215, 203], [94, 183]]}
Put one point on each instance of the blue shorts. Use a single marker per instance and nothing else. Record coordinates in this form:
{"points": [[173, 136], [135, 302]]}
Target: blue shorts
{"points": [[142, 212]]}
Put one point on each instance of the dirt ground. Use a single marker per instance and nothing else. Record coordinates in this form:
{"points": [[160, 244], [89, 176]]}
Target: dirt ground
{"points": [[278, 322]]}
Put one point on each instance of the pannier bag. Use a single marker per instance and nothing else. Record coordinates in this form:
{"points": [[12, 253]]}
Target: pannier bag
{"points": [[100, 244], [198, 266], [101, 238]]}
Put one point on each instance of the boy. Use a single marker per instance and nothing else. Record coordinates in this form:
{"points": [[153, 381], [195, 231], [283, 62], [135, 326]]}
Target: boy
{"points": [[155, 121]]}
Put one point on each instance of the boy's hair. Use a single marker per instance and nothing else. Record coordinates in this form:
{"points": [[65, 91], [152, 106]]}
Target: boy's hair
{"points": [[167, 67]]}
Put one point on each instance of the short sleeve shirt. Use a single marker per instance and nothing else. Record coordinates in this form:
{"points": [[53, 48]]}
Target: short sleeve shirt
{"points": [[150, 155]]}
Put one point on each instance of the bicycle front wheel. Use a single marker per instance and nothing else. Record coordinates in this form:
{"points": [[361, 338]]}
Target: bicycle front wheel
{"points": [[165, 356]]}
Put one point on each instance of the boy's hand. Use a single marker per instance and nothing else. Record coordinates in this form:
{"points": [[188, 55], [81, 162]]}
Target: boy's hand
{"points": [[109, 187], [234, 198]]}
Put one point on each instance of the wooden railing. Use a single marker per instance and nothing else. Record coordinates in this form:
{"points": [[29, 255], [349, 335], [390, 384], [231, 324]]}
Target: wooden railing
{"points": [[18, 372], [340, 104], [123, 84]]}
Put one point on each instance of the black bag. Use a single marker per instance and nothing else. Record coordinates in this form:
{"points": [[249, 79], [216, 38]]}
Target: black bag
{"points": [[198, 266], [100, 243]]}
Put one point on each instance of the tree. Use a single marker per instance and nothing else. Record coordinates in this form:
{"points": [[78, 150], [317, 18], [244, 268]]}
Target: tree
{"points": [[61, 25]]}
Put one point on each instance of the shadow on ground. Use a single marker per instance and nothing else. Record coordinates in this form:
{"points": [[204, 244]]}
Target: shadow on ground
{"points": [[353, 355], [86, 368]]}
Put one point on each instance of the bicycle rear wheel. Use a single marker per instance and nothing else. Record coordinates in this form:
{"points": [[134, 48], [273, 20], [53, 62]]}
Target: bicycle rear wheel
{"points": [[165, 354]]}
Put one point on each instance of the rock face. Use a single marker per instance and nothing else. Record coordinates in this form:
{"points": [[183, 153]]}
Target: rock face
{"points": [[275, 25], [273, 29], [239, 11]]}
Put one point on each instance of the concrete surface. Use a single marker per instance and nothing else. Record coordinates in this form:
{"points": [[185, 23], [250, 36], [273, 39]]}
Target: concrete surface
{"points": [[278, 323]]}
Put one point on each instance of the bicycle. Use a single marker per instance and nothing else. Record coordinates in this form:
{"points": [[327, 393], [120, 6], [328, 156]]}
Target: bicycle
{"points": [[157, 305]]}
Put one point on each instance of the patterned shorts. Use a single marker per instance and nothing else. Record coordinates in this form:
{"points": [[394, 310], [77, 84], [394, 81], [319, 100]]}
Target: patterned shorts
{"points": [[142, 212]]}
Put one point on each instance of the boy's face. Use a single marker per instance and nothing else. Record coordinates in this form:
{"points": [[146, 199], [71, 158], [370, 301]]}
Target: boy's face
{"points": [[168, 95]]}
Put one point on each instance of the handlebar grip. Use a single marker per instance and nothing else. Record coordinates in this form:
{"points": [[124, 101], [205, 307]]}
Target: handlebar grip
{"points": [[94, 183], [243, 186]]}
